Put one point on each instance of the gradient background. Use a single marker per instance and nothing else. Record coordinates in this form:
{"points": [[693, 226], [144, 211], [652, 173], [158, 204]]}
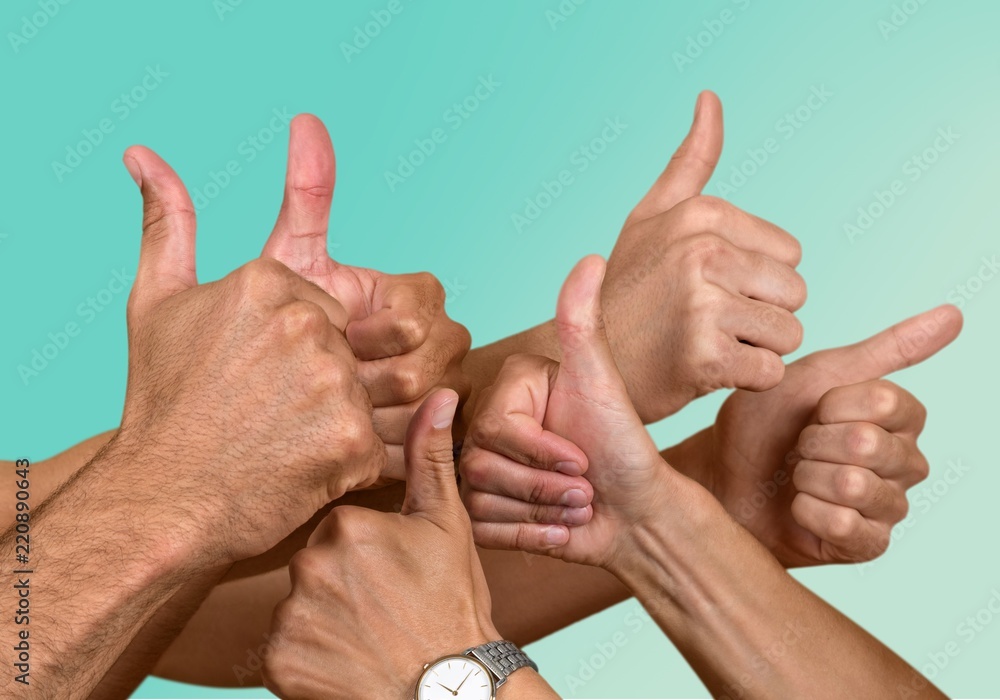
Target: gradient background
{"points": [[559, 82]]}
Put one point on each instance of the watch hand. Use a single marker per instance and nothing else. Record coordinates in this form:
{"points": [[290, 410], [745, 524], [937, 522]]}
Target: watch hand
{"points": [[463, 682], [453, 692]]}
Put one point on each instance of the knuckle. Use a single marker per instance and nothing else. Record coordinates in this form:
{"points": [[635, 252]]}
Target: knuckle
{"points": [[536, 488], [843, 525], [793, 249], [921, 468], [301, 319], [811, 440], [517, 364], [786, 327], [307, 568], [862, 441], [900, 508], [461, 339], [540, 514], [321, 193], [880, 544], [706, 212], [470, 469], [350, 526], [799, 291], [477, 503], [406, 382], [262, 278], [135, 310], [796, 333], [357, 436], [486, 427], [281, 617], [433, 286], [522, 538], [877, 544], [411, 331], [482, 534], [700, 249], [851, 485], [712, 355], [920, 412], [884, 399], [156, 218], [333, 378], [770, 370]]}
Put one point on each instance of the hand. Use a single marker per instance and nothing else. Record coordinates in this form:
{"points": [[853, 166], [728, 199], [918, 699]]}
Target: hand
{"points": [[817, 468], [375, 596], [397, 325], [575, 417], [698, 294], [243, 389]]}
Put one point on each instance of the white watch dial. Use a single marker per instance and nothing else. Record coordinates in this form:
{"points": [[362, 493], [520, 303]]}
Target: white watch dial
{"points": [[454, 677]]}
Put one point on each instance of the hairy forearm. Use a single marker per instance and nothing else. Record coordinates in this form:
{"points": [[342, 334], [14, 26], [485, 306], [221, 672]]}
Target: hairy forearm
{"points": [[145, 650], [102, 564], [533, 596], [747, 627], [49, 474]]}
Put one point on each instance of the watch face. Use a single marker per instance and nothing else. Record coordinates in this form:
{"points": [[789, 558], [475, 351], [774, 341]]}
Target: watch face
{"points": [[454, 677]]}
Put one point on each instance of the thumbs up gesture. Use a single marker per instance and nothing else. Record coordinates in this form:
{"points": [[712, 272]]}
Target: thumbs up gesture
{"points": [[818, 467], [573, 425], [396, 324], [375, 595], [243, 390], [699, 295]]}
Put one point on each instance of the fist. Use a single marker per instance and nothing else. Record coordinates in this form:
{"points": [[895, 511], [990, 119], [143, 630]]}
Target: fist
{"points": [[396, 324], [247, 386], [375, 596], [818, 467], [856, 462]]}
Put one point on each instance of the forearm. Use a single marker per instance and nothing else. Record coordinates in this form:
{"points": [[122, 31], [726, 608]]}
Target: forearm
{"points": [[145, 650], [49, 474], [746, 626], [103, 563], [533, 596]]}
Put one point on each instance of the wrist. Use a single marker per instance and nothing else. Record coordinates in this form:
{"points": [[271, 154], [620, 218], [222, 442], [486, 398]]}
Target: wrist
{"points": [[675, 524], [164, 524], [693, 458], [526, 684]]}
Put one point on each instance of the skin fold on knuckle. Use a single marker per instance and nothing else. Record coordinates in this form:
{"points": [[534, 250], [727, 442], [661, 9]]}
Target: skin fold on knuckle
{"points": [[842, 526], [852, 486], [864, 442], [884, 400]]}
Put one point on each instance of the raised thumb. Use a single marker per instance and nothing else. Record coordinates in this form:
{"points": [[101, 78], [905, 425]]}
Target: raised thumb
{"points": [[691, 166], [167, 255], [583, 341], [431, 488]]}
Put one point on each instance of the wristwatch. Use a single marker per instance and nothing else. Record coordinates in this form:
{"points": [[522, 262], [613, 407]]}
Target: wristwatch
{"points": [[475, 674]]}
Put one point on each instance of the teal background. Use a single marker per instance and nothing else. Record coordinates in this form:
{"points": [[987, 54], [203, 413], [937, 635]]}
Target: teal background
{"points": [[61, 241]]}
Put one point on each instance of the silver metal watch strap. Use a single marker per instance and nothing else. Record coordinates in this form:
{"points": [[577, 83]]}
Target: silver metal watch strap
{"points": [[502, 658]]}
